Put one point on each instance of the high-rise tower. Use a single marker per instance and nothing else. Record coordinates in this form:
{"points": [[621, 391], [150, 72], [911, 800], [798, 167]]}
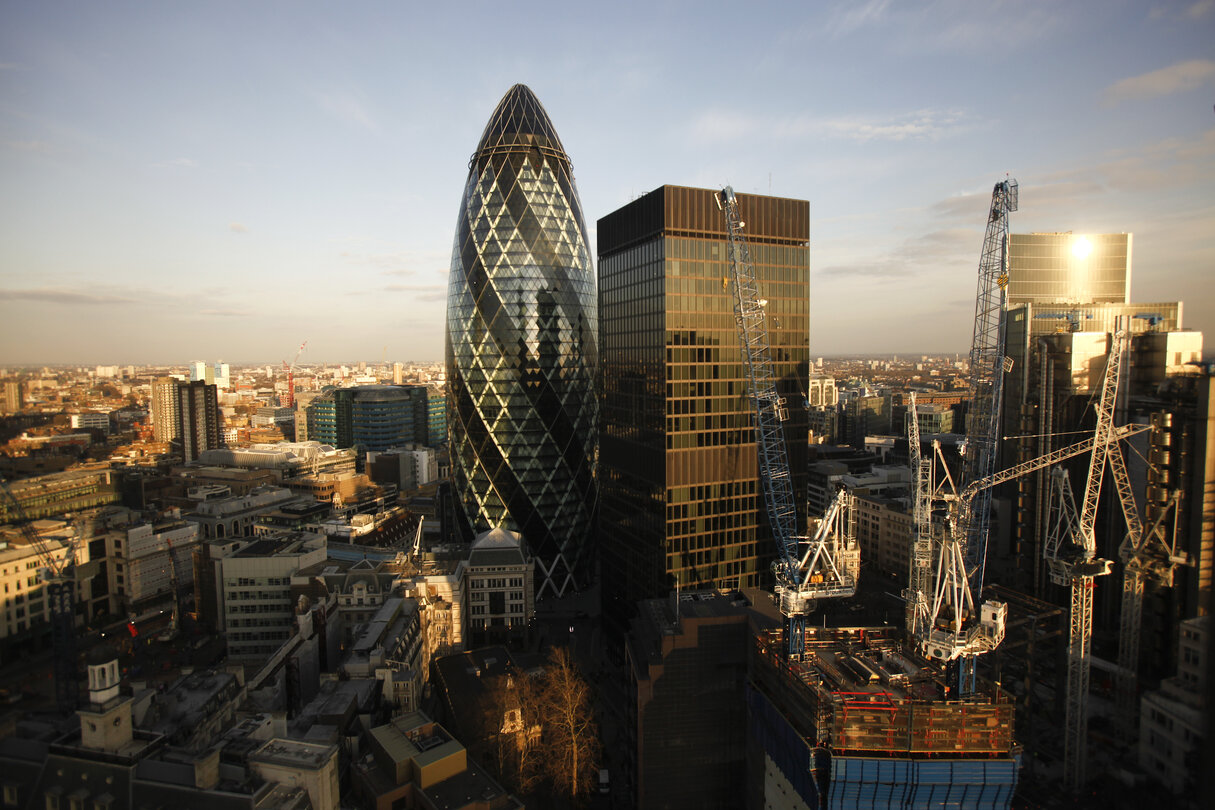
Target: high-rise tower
{"points": [[522, 358], [682, 504]]}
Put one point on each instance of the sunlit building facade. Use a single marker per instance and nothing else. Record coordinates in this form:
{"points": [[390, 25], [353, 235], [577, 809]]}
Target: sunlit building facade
{"points": [[521, 347], [1069, 268], [681, 500]]}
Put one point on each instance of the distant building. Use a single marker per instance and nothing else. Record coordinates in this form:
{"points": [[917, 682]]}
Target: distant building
{"points": [[166, 410], [14, 396], [92, 421], [198, 410], [369, 417], [409, 468]]}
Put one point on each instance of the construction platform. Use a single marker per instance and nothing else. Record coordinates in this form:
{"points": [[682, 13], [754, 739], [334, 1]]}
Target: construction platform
{"points": [[863, 692]]}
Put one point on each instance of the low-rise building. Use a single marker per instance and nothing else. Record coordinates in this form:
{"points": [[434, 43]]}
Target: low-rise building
{"points": [[499, 584]]}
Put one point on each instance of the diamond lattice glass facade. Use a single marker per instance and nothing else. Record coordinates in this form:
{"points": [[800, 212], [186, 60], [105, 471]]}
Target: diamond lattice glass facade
{"points": [[522, 358]]}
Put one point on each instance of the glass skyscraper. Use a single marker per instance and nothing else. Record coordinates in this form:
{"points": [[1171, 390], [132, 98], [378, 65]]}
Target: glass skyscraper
{"points": [[681, 499], [522, 357]]}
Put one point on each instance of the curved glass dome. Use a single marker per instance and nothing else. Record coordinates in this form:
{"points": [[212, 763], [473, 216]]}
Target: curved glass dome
{"points": [[522, 358]]}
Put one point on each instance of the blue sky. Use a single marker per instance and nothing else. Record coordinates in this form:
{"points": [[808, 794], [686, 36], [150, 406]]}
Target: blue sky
{"points": [[182, 181]]}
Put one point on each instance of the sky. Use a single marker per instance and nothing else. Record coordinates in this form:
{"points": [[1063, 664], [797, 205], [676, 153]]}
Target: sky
{"points": [[183, 181]]}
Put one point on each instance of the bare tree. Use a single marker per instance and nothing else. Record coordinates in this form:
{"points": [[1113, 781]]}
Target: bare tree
{"points": [[571, 737], [510, 732]]}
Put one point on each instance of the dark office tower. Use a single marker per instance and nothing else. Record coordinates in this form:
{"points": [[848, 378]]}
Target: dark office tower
{"points": [[198, 412], [681, 501], [522, 358]]}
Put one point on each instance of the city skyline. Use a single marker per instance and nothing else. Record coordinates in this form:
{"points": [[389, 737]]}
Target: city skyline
{"points": [[228, 183]]}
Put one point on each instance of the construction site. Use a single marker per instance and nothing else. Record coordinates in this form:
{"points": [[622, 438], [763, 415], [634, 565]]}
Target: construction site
{"points": [[864, 715]]}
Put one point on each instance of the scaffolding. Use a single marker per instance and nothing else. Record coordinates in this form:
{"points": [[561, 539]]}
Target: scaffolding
{"points": [[862, 692]]}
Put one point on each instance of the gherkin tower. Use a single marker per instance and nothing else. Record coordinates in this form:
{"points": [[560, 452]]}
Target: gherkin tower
{"points": [[522, 359]]}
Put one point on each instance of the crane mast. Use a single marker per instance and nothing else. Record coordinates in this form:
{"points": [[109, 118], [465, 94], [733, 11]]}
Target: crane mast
{"points": [[953, 630], [805, 569], [987, 368]]}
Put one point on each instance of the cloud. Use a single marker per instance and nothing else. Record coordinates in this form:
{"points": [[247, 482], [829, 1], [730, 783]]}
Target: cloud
{"points": [[347, 107], [1194, 11], [53, 295], [226, 313], [915, 255], [1178, 78], [856, 16], [422, 292], [919, 125], [41, 147], [237, 227], [177, 163]]}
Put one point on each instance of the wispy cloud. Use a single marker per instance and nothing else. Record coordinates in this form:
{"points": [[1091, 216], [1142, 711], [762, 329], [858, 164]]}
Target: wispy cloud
{"points": [[918, 125], [176, 163], [346, 106], [35, 146], [53, 295], [1177, 78], [1193, 11], [237, 227], [852, 16], [226, 313], [420, 292], [935, 249]]}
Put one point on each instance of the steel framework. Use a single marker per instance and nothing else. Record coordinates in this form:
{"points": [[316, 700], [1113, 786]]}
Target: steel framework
{"points": [[806, 569]]}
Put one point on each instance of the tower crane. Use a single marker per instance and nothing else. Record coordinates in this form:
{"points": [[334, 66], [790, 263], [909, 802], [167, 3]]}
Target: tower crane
{"points": [[952, 630], [58, 574], [806, 568], [1076, 565], [920, 581], [290, 369]]}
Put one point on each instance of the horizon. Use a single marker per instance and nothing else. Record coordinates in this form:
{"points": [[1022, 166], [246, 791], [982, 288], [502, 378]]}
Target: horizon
{"points": [[163, 204]]}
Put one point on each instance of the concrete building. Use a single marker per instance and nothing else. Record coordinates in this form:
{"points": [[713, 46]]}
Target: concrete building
{"points": [[415, 762], [287, 459], [522, 349], [499, 584], [201, 422], [310, 767], [145, 557], [91, 421], [251, 583], [408, 467], [45, 496], [234, 516], [685, 731], [25, 612], [1173, 719], [13, 399], [681, 496]]}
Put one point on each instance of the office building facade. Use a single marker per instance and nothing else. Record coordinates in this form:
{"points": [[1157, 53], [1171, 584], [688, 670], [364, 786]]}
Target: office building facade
{"points": [[1062, 268], [521, 347], [369, 417], [681, 501]]}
